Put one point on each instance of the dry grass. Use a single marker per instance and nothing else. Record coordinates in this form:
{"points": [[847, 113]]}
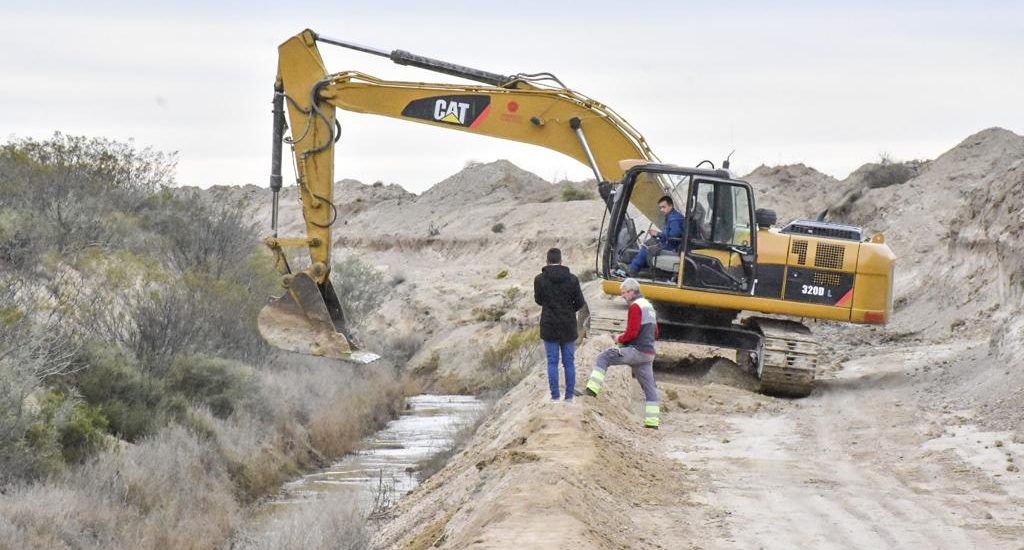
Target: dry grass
{"points": [[333, 522], [511, 359], [187, 487], [169, 491]]}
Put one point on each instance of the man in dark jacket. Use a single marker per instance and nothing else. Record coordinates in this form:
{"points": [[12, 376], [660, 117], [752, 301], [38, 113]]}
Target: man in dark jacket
{"points": [[558, 293]]}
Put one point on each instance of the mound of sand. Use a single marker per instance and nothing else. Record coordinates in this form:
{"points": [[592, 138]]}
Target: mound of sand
{"points": [[794, 191]]}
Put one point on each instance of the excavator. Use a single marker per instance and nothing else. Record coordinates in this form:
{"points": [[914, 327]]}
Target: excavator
{"points": [[735, 280]]}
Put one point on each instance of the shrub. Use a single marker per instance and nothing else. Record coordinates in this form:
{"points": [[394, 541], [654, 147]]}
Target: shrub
{"points": [[174, 484], [498, 227], [401, 347], [72, 185], [503, 274], [35, 348], [83, 433], [112, 380], [573, 194], [509, 298], [199, 234], [512, 358], [220, 384], [888, 172], [360, 287]]}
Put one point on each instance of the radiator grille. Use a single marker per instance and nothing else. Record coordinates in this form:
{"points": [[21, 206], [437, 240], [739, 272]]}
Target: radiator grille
{"points": [[829, 255], [800, 249], [826, 279]]}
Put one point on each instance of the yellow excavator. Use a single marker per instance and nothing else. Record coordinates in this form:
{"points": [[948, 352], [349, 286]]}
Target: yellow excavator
{"points": [[735, 281]]}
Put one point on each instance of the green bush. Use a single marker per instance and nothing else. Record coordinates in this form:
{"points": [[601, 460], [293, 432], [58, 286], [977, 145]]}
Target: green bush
{"points": [[83, 434], [135, 404], [220, 384], [573, 194], [498, 227], [66, 431]]}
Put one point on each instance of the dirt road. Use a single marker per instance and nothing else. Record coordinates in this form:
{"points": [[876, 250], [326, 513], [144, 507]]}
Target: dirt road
{"points": [[862, 463]]}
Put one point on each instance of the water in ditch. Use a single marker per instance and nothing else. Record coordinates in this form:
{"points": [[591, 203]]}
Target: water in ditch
{"points": [[388, 461]]}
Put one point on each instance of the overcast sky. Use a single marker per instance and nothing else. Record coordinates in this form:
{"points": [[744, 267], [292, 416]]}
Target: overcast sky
{"points": [[829, 84]]}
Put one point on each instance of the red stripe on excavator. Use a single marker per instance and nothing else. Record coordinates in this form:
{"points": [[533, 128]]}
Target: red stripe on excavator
{"points": [[845, 300], [483, 115], [875, 317]]}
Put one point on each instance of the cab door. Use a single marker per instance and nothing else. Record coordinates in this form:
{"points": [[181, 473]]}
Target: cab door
{"points": [[720, 249]]}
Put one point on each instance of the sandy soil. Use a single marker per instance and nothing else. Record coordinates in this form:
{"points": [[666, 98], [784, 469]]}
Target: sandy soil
{"points": [[865, 462], [914, 437]]}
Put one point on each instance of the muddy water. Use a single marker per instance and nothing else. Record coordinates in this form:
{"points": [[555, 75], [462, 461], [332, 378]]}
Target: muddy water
{"points": [[389, 457]]}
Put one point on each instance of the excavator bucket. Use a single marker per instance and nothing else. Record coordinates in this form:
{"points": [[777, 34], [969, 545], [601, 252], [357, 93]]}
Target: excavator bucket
{"points": [[308, 319]]}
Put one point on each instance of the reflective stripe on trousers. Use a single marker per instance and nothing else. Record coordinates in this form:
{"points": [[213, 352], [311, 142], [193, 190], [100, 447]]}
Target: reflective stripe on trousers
{"points": [[652, 413], [596, 381]]}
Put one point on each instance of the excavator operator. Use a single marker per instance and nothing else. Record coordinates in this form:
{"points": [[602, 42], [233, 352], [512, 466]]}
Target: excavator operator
{"points": [[667, 240]]}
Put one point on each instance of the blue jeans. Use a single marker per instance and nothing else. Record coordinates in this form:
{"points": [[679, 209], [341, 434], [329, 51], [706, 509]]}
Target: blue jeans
{"points": [[640, 261], [568, 351], [646, 252]]}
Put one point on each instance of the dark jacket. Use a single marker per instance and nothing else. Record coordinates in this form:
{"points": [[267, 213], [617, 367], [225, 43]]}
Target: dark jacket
{"points": [[558, 292]]}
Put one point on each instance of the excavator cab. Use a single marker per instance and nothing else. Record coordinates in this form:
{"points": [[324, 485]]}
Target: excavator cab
{"points": [[718, 249]]}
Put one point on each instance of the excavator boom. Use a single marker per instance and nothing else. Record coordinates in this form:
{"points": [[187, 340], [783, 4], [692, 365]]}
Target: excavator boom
{"points": [[518, 108]]}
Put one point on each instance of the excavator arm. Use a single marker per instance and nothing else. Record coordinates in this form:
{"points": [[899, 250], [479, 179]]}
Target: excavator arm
{"points": [[519, 108]]}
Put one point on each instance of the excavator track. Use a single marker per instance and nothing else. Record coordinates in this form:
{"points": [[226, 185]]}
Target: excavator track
{"points": [[602, 316], [788, 359]]}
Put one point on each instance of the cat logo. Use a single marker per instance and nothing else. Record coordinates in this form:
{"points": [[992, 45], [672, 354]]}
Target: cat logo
{"points": [[450, 111], [459, 110]]}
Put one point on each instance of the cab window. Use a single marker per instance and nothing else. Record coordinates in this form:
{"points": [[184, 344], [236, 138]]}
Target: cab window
{"points": [[721, 214]]}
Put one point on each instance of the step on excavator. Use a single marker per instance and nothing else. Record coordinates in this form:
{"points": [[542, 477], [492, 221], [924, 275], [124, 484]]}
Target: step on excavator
{"points": [[735, 280]]}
